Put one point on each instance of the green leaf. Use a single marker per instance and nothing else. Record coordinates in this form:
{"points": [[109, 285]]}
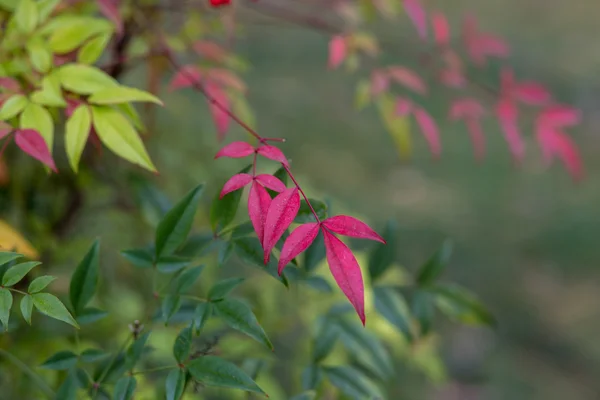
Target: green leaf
{"points": [[8, 256], [50, 94], [61, 360], [392, 306], [311, 377], [84, 79], [223, 211], [305, 215], [124, 388], [90, 315], [240, 317], [324, 342], [435, 265], [170, 305], [315, 253], [18, 272], [253, 366], [92, 50], [45, 8], [26, 16], [84, 281], [131, 113], [319, 283], [197, 244], [398, 126], [214, 371], [122, 94], [250, 251], [183, 345], [38, 118], [141, 258], [383, 255], [362, 97], [116, 132], [187, 279], [461, 305], [177, 223], [6, 300], [309, 395], [12, 106], [51, 306], [27, 308], [135, 350], [39, 54], [352, 383], [170, 264], [223, 288], [40, 283], [77, 131], [72, 35], [201, 315], [422, 310], [175, 384], [225, 252], [68, 389], [93, 355]]}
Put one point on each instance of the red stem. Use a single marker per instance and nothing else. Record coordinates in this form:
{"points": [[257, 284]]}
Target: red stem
{"points": [[287, 169]]}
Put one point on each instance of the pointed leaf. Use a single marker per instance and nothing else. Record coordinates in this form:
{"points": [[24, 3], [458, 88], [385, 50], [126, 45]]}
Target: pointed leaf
{"points": [[236, 150], [40, 283], [170, 305], [531, 93], [352, 382], [90, 315], [414, 10], [298, 241], [202, 313], [462, 306], [177, 223], [12, 106], [77, 131], [324, 342], [223, 288], [84, 281], [124, 388], [281, 214], [435, 265], [259, 202], [187, 279], [33, 144], [408, 78], [38, 118], [8, 256], [383, 255], [441, 29], [122, 94], [240, 317], [18, 272], [51, 306], [93, 355], [398, 127], [175, 384], [93, 49], [26, 16], [60, 361], [250, 251], [6, 301], [236, 182], [430, 131], [135, 350], [273, 153], [27, 308], [271, 182], [218, 103], [183, 345], [507, 114], [337, 51], [559, 116], [352, 227], [392, 306], [84, 79], [214, 371]]}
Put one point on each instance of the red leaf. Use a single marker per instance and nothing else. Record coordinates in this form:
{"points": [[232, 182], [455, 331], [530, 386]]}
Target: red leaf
{"points": [[33, 144], [259, 202], [559, 116], [210, 50], [219, 3], [416, 13], [466, 108], [5, 129], [408, 78], [477, 138], [217, 105], [403, 107], [296, 243], [282, 211], [187, 76], [452, 78], [379, 82], [491, 45], [352, 227], [531, 93], [235, 150], [10, 84], [430, 130], [441, 29], [346, 272], [72, 104], [227, 78], [234, 183], [507, 115], [272, 153], [561, 145], [110, 9], [271, 182], [337, 51]]}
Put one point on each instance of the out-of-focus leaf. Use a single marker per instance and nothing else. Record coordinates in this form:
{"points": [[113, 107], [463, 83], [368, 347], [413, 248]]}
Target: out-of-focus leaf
{"points": [[352, 383], [135, 350], [398, 126], [383, 255], [175, 384], [392, 306], [85, 279], [429, 272], [60, 360], [223, 288], [311, 377], [124, 388], [6, 301], [422, 310], [461, 305], [202, 313], [183, 345], [214, 371]]}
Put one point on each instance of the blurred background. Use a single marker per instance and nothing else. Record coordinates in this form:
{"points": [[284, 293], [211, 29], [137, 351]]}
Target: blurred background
{"points": [[525, 238]]}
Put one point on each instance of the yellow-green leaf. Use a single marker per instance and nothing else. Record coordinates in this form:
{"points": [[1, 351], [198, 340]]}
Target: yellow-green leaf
{"points": [[92, 50], [68, 37], [45, 8], [39, 54], [363, 94], [398, 126], [84, 79], [76, 134], [116, 132], [122, 94], [50, 94], [26, 16], [132, 114], [38, 118], [12, 106]]}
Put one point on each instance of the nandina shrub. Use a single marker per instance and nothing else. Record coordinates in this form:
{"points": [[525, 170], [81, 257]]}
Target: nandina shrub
{"points": [[61, 65]]}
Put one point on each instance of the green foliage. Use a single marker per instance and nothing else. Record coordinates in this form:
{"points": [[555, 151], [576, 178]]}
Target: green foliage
{"points": [[214, 371]]}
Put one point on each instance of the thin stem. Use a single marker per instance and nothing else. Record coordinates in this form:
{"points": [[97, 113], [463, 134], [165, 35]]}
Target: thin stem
{"points": [[287, 169], [26, 370], [18, 291], [254, 164], [109, 366], [6, 142]]}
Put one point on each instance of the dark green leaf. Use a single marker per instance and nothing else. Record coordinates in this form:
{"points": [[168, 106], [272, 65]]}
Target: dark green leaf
{"points": [[90, 315], [392, 306], [93, 355], [305, 214], [124, 388], [461, 305], [324, 342], [251, 252], [214, 371], [6, 301], [315, 253], [319, 283], [187, 279], [253, 366], [201, 315], [175, 384], [61, 360], [196, 245], [40, 283], [242, 230], [51, 306], [141, 258], [27, 308], [225, 251], [240, 317], [309, 395], [311, 377], [223, 288], [170, 264], [429, 272], [68, 389], [183, 345], [176, 224], [7, 256], [383, 255], [85, 279], [422, 310], [170, 305], [352, 383], [135, 350], [222, 211], [18, 272]]}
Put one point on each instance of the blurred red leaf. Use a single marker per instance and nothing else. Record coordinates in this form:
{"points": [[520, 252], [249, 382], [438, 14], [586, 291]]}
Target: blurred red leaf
{"points": [[210, 50], [33, 144], [296, 243], [188, 75], [531, 93], [337, 51], [441, 28], [507, 114], [379, 82], [408, 78], [110, 9], [417, 15], [403, 107], [219, 3], [217, 105], [235, 150], [430, 130], [559, 116], [558, 144]]}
